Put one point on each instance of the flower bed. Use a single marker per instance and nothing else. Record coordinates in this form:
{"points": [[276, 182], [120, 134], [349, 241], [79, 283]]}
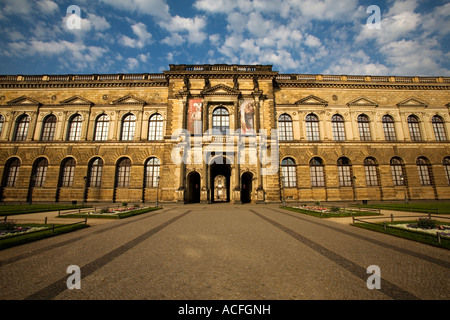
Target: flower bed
{"points": [[441, 229]]}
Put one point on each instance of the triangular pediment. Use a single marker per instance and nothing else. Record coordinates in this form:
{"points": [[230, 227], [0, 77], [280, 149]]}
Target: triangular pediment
{"points": [[129, 99], [412, 102], [77, 100], [23, 101], [312, 100], [220, 89], [362, 102]]}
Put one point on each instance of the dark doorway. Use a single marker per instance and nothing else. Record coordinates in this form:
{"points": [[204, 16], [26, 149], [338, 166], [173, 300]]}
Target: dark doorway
{"points": [[220, 172], [193, 190], [246, 187]]}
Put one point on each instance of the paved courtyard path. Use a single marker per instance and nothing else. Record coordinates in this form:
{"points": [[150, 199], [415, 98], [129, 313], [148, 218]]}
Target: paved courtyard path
{"points": [[224, 251]]}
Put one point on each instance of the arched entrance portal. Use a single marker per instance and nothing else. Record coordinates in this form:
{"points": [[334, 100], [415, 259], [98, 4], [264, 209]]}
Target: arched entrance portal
{"points": [[246, 187], [193, 190], [220, 180]]}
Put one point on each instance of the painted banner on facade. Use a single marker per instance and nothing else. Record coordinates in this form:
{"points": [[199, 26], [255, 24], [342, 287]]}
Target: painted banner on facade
{"points": [[247, 117], [194, 120]]}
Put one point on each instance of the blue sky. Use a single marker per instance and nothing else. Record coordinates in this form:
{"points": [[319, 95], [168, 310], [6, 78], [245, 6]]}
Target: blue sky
{"points": [[295, 36]]}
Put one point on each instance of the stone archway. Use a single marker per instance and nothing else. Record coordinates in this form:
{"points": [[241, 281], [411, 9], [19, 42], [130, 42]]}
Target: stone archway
{"points": [[220, 180], [246, 187], [193, 188]]}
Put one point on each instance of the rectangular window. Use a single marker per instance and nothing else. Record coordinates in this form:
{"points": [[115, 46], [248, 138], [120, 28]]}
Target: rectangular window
{"points": [[371, 176], [345, 177], [317, 176]]}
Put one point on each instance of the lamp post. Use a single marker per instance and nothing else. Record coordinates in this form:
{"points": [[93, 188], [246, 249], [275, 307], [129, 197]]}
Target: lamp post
{"points": [[404, 187], [157, 190], [85, 189]]}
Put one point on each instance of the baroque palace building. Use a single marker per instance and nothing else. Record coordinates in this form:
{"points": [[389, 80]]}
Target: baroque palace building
{"points": [[223, 133]]}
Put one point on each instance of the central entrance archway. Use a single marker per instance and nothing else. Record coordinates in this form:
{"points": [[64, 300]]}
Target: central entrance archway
{"points": [[220, 180]]}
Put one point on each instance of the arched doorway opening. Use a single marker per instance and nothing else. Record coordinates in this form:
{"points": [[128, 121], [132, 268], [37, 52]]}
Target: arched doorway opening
{"points": [[246, 187], [193, 189], [220, 180]]}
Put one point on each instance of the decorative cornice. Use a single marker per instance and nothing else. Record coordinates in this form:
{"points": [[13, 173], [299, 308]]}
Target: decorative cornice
{"points": [[77, 100], [362, 101], [312, 100], [412, 102], [221, 90], [129, 99], [23, 101]]}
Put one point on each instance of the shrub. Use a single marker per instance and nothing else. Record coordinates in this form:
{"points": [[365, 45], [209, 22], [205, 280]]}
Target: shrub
{"points": [[426, 223], [335, 209], [8, 225], [104, 210], [124, 203]]}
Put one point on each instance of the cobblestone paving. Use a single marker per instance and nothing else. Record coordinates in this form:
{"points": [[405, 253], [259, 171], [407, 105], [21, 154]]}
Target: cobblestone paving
{"points": [[224, 251]]}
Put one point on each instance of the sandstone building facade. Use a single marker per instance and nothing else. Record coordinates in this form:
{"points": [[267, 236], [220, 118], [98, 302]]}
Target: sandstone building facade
{"points": [[223, 133]]}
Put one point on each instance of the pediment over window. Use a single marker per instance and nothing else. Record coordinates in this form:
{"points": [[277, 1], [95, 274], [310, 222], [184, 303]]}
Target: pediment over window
{"points": [[23, 101], [220, 89], [129, 99], [77, 101], [412, 102], [362, 102], [312, 100]]}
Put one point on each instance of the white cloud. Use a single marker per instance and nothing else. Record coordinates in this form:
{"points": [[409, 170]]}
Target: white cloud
{"points": [[312, 41], [156, 8], [47, 6], [143, 37], [193, 26]]}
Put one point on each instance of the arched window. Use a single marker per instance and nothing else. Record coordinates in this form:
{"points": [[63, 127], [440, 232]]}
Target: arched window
{"points": [[123, 172], [40, 172], [446, 164], [364, 129], [316, 170], [424, 169], [152, 172], [345, 172], [48, 129], [398, 172], [285, 127], [23, 122], [67, 172], [414, 130], [75, 124], [288, 172], [388, 128], [2, 121], [101, 128], [337, 126], [439, 129], [371, 168], [11, 172], [95, 173], [155, 127], [128, 127], [312, 127], [220, 120]]}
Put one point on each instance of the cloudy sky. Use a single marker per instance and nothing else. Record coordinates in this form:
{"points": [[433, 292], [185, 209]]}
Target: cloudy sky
{"points": [[295, 36]]}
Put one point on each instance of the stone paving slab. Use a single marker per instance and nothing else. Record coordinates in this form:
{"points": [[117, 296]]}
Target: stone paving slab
{"points": [[224, 251]]}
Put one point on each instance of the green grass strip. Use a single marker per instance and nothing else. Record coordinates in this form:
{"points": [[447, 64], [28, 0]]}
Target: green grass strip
{"points": [[8, 210], [120, 215], [346, 213], [38, 235], [406, 234]]}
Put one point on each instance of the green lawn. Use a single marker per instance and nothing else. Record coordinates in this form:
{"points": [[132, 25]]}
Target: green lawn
{"points": [[433, 208], [13, 209]]}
